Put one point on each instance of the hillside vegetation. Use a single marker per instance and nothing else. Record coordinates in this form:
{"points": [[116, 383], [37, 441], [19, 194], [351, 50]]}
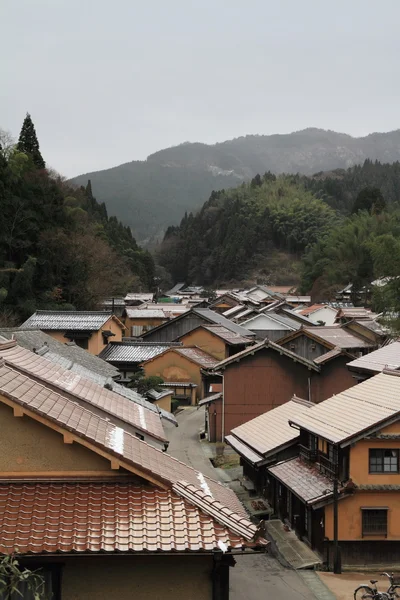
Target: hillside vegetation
{"points": [[276, 231], [262, 225], [58, 247], [153, 194]]}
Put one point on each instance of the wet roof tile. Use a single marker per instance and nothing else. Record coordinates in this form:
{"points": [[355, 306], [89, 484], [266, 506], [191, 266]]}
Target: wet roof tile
{"points": [[55, 517], [304, 480], [83, 389], [134, 453]]}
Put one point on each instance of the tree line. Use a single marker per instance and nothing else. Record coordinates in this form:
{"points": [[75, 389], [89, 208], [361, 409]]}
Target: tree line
{"points": [[59, 249]]}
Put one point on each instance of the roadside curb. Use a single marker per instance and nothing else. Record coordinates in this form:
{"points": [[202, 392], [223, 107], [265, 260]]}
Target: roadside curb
{"points": [[321, 591]]}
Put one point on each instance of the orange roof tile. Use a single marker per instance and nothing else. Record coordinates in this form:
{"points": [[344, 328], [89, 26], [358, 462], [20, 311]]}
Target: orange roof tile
{"points": [[100, 432], [112, 517]]}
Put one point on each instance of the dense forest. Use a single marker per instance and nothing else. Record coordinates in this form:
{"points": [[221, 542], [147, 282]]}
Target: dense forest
{"points": [[266, 223], [321, 232], [58, 247], [152, 194]]}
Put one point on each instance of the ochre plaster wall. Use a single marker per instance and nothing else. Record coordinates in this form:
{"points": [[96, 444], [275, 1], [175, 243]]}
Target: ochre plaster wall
{"points": [[165, 403], [172, 366], [138, 577], [206, 341], [29, 446], [96, 344], [350, 515], [359, 462]]}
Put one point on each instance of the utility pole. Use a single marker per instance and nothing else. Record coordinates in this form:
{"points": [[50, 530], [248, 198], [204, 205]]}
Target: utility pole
{"points": [[337, 562]]}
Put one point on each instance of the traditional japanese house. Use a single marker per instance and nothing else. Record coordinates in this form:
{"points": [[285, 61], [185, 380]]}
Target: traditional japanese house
{"points": [[387, 357], [98, 512], [90, 330], [127, 356], [266, 440], [119, 409], [312, 343], [139, 320], [175, 328], [216, 340], [181, 364], [265, 376], [347, 475]]}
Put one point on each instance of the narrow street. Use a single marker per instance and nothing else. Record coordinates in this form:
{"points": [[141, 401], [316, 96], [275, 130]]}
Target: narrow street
{"points": [[254, 577]]}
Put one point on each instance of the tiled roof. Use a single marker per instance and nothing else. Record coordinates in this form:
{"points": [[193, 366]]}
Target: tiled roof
{"points": [[214, 317], [270, 431], [114, 440], [282, 289], [198, 356], [339, 337], [41, 518], [372, 325], [209, 399], [289, 312], [305, 481], [286, 322], [75, 359], [140, 297], [262, 345], [356, 313], [52, 320], [133, 352], [232, 311], [243, 449], [308, 310], [32, 339], [320, 360], [387, 357], [355, 411], [140, 313], [298, 299], [83, 389], [229, 337]]}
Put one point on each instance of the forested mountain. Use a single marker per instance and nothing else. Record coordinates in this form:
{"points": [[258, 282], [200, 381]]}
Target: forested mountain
{"points": [[276, 230], [150, 195], [265, 225], [58, 247]]}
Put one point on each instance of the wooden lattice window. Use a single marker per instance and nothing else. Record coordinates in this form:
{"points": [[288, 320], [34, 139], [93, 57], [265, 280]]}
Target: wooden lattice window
{"points": [[374, 521]]}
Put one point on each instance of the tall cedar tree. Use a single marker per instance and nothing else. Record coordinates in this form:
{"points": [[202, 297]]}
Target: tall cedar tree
{"points": [[28, 142]]}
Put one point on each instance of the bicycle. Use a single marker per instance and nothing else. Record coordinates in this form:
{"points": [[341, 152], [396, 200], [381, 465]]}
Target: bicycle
{"points": [[365, 592]]}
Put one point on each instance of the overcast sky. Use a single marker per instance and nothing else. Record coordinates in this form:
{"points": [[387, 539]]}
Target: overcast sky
{"points": [[110, 81]]}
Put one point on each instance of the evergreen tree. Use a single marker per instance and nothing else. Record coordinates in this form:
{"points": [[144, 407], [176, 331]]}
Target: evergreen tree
{"points": [[28, 142]]}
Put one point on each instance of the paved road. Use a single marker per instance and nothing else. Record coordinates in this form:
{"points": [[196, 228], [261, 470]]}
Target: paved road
{"points": [[255, 577]]}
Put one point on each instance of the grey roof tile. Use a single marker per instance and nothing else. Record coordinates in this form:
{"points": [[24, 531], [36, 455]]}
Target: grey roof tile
{"points": [[50, 320], [304, 480]]}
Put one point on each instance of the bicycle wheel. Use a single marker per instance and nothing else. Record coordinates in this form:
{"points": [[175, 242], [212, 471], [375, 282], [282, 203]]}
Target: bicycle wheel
{"points": [[363, 593], [394, 591]]}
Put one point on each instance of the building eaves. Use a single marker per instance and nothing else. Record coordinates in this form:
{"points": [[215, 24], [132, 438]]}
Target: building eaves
{"points": [[355, 412], [48, 320], [387, 357], [209, 399], [136, 352], [42, 518], [269, 432], [133, 454], [304, 480], [84, 390]]}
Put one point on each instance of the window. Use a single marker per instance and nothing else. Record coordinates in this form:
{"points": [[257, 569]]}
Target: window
{"points": [[82, 343], [332, 453], [374, 521], [140, 436], [383, 461]]}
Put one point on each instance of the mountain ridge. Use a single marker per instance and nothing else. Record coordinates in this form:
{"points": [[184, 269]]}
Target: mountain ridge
{"points": [[150, 195]]}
